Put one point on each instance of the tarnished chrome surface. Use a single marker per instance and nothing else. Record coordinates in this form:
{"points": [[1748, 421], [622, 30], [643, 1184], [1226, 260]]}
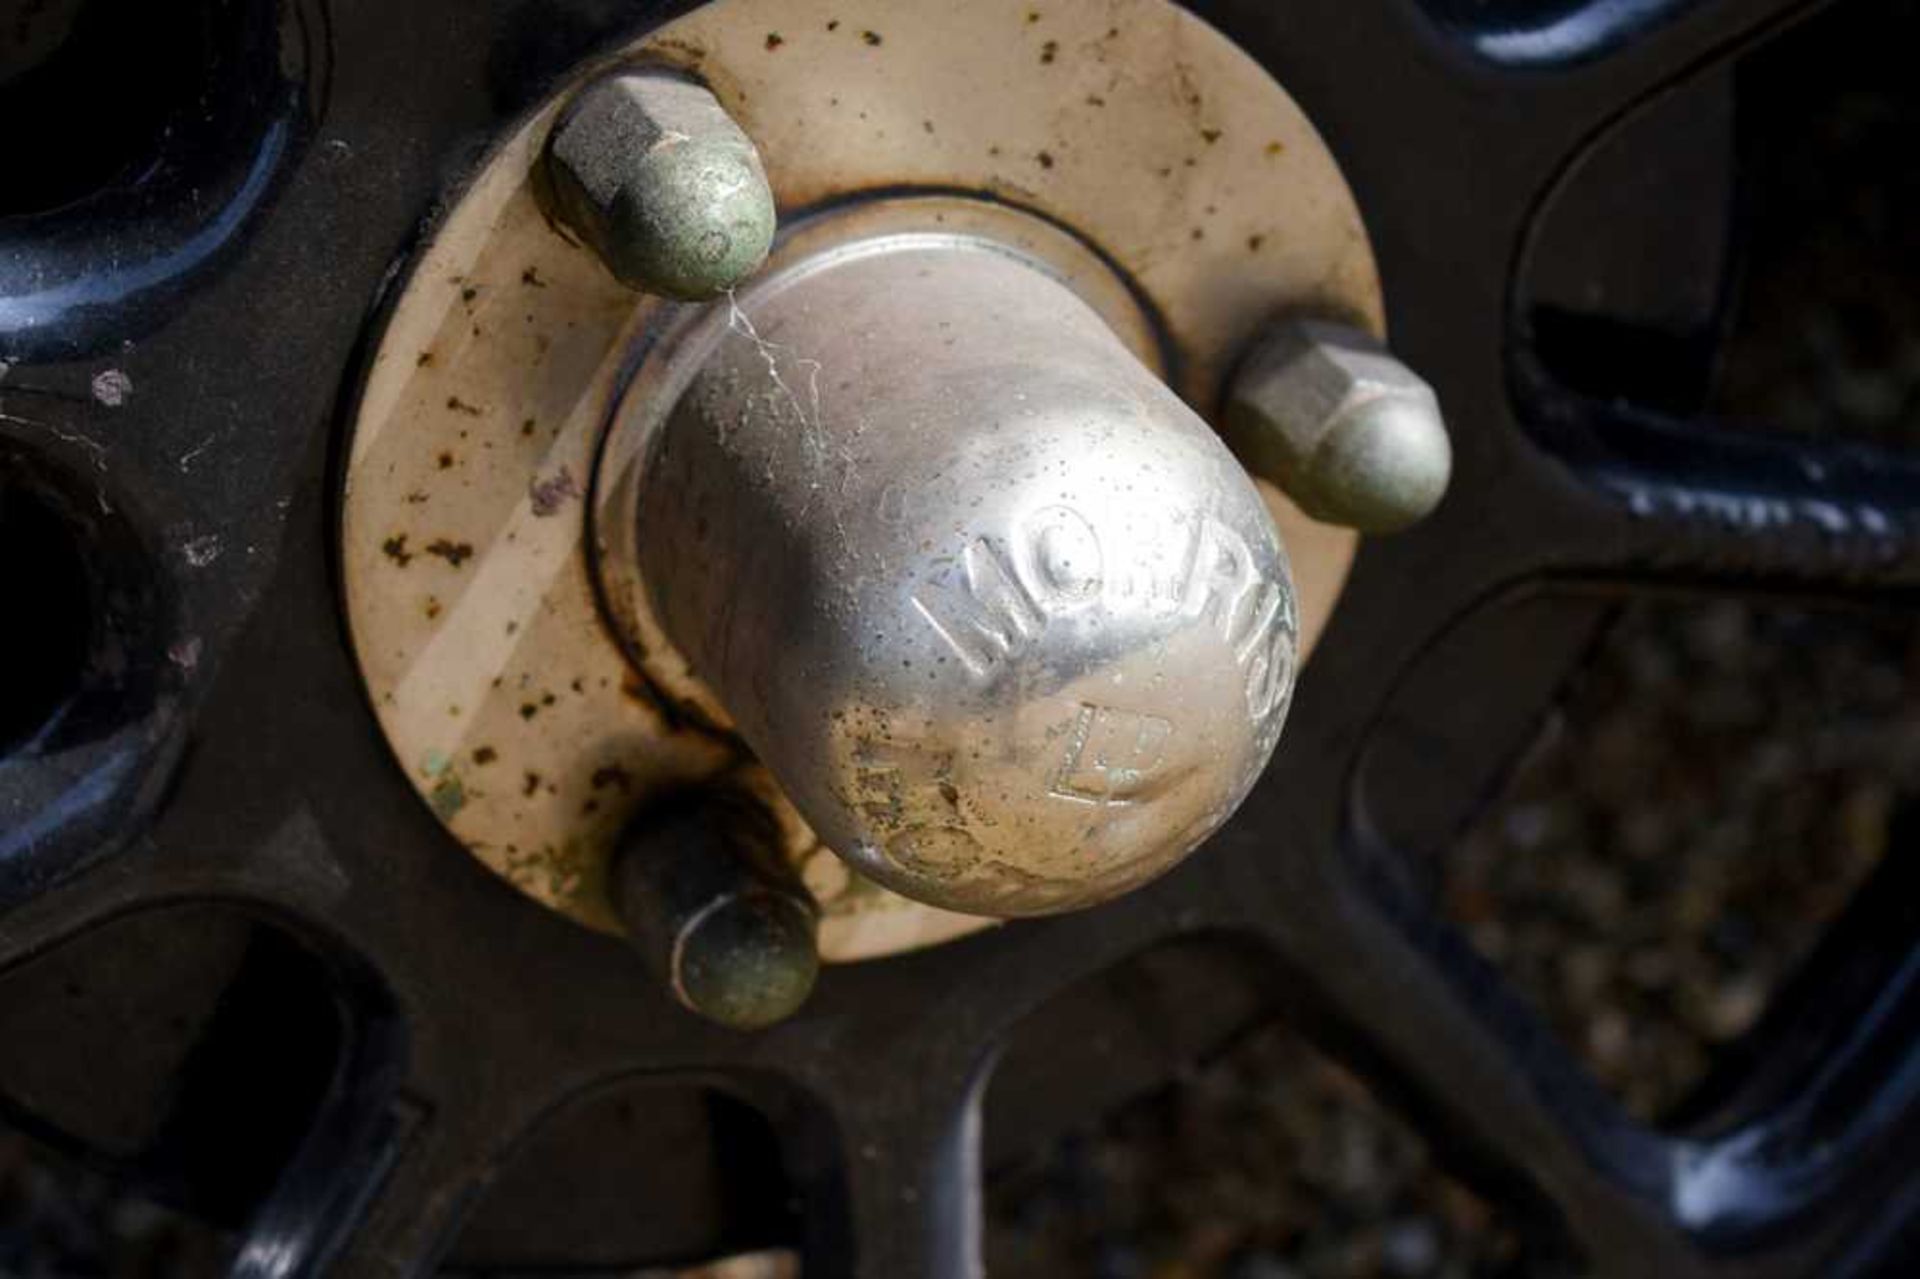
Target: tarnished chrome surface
{"points": [[1007, 621], [1346, 430]]}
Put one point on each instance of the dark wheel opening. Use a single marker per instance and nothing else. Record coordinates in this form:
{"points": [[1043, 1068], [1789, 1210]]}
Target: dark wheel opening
{"points": [[50, 588], [96, 86]]}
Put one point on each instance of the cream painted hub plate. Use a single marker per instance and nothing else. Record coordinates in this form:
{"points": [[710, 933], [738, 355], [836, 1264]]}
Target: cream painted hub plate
{"points": [[503, 688]]}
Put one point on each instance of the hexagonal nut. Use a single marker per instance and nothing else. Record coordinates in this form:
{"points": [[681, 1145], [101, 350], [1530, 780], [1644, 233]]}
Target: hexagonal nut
{"points": [[652, 173], [1354, 436]]}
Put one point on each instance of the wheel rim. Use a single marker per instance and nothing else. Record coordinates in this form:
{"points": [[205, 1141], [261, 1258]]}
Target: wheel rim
{"points": [[471, 1017]]}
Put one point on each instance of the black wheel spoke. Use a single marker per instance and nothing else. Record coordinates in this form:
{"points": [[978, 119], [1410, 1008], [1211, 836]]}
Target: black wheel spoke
{"points": [[1838, 1138], [1812, 1128], [340, 1172], [1609, 53], [1662, 502], [1400, 995], [1815, 1108], [388, 1205], [904, 1194], [117, 888], [899, 1054]]}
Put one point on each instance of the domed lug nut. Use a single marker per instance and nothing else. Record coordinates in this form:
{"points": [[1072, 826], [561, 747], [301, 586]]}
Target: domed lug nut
{"points": [[1343, 428], [715, 909], [1009, 624], [652, 173]]}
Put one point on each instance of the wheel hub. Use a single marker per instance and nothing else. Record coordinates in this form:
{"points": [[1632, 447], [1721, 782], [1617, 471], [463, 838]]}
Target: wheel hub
{"points": [[1134, 168]]}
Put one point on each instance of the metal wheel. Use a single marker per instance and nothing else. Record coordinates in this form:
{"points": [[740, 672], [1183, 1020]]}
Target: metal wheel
{"points": [[393, 1026]]}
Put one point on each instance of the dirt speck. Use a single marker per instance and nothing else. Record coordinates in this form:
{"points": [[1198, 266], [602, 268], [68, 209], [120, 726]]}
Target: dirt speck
{"points": [[395, 549], [612, 775], [774, 40], [550, 494], [1048, 52], [871, 38], [457, 405], [454, 553], [201, 551], [112, 387], [449, 797], [485, 755]]}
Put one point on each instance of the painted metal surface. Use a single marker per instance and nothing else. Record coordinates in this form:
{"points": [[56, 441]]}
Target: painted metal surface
{"points": [[473, 1019]]}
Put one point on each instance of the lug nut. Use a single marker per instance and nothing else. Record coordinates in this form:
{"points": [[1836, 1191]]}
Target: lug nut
{"points": [[715, 909], [1347, 431], [652, 173]]}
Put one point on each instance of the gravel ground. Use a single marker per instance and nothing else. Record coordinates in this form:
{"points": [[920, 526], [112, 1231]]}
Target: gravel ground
{"points": [[1719, 783], [1272, 1163]]}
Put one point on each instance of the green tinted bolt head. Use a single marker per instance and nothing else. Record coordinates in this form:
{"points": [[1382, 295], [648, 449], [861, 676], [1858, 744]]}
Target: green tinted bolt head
{"points": [[716, 910], [650, 171], [748, 961], [1342, 427]]}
